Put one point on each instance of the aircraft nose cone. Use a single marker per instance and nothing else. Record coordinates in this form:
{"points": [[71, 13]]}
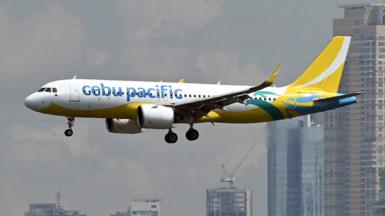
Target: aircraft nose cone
{"points": [[32, 102], [29, 102]]}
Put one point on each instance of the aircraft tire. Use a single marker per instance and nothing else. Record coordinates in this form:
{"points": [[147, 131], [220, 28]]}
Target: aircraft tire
{"points": [[68, 132], [171, 137], [192, 134]]}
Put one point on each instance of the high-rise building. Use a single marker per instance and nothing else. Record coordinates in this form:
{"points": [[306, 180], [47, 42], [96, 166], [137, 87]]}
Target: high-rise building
{"points": [[228, 201], [51, 209], [295, 168], [354, 135], [142, 207], [379, 206]]}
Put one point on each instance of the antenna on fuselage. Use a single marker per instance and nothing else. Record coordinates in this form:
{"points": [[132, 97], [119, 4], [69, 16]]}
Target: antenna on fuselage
{"points": [[74, 77], [219, 82]]}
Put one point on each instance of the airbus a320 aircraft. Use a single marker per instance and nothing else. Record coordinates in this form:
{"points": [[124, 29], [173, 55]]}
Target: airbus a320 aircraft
{"points": [[130, 106]]}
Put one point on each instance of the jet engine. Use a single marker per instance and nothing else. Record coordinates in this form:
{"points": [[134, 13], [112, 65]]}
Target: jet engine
{"points": [[124, 126], [155, 116]]}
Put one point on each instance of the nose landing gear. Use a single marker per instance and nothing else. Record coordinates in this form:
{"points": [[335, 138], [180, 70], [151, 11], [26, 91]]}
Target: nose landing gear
{"points": [[69, 132]]}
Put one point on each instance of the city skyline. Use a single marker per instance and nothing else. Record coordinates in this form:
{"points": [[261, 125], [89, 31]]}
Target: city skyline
{"points": [[201, 41]]}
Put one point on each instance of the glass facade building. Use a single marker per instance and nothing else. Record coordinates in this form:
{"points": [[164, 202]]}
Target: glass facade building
{"points": [[295, 168], [354, 135]]}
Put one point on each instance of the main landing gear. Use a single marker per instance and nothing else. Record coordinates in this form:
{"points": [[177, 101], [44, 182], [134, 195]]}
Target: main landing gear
{"points": [[69, 132], [172, 137], [192, 134]]}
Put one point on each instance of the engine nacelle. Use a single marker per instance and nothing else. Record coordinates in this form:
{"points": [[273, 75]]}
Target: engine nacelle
{"points": [[155, 116], [124, 126]]}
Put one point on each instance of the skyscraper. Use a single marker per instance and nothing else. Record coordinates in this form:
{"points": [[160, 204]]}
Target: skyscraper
{"points": [[295, 168], [228, 201], [354, 135]]}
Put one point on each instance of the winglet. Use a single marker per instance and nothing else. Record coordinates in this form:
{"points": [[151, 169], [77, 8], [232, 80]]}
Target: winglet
{"points": [[270, 81], [273, 76]]}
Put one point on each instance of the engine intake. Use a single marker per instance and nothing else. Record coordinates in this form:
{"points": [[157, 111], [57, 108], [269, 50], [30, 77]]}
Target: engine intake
{"points": [[155, 116]]}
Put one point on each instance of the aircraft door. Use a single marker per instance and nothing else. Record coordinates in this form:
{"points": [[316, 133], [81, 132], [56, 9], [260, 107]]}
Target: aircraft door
{"points": [[74, 91]]}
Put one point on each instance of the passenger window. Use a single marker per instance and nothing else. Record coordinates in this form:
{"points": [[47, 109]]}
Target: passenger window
{"points": [[48, 90]]}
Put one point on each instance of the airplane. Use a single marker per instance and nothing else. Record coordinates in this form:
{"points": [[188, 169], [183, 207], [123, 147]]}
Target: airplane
{"points": [[128, 107]]}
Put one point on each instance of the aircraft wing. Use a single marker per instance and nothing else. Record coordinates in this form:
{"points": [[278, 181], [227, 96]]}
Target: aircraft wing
{"points": [[203, 106]]}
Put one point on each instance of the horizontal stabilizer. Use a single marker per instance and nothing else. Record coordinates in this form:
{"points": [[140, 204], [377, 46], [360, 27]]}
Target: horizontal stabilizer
{"points": [[331, 99]]}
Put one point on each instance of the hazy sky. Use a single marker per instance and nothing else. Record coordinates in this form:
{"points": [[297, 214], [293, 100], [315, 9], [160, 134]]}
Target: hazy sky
{"points": [[237, 42]]}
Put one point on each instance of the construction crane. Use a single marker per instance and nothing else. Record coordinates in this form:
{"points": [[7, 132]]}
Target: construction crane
{"points": [[229, 177]]}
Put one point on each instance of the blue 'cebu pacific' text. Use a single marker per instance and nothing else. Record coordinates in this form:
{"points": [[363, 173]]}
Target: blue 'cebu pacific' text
{"points": [[158, 91]]}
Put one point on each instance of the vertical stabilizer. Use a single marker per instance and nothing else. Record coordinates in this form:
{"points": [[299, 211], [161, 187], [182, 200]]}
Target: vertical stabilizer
{"points": [[326, 70]]}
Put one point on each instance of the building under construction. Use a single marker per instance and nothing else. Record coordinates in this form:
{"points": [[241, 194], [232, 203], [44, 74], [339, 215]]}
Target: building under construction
{"points": [[228, 201]]}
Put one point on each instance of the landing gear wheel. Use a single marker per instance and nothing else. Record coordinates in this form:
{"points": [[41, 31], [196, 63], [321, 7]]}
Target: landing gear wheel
{"points": [[171, 137], [192, 134], [68, 132], [70, 123]]}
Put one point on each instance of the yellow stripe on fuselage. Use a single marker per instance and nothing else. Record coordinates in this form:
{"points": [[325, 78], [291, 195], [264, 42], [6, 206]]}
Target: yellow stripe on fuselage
{"points": [[126, 111]]}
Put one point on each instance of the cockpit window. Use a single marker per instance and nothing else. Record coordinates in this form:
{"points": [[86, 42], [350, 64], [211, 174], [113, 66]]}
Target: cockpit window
{"points": [[54, 90], [41, 90], [48, 90]]}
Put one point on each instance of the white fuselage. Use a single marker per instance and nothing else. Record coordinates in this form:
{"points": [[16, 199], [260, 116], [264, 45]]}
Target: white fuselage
{"points": [[90, 95]]}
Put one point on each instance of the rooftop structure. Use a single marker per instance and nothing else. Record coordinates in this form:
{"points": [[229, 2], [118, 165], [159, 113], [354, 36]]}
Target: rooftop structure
{"points": [[142, 207], [51, 209]]}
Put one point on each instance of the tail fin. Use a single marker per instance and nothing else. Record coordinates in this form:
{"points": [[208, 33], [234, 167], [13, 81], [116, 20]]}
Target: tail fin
{"points": [[326, 70]]}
